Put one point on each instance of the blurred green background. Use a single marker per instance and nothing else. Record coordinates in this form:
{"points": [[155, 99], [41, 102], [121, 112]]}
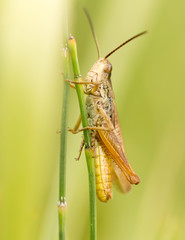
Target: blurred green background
{"points": [[149, 83]]}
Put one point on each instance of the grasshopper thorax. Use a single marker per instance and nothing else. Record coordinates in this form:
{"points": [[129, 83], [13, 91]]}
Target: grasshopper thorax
{"points": [[100, 71]]}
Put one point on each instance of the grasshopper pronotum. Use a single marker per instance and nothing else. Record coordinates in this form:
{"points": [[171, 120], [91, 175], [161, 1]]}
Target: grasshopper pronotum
{"points": [[109, 153]]}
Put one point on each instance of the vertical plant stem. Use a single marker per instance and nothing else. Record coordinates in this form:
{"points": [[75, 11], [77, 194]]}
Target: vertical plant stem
{"points": [[87, 137], [63, 140]]}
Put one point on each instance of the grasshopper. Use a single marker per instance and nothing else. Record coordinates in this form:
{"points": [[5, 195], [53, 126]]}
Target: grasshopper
{"points": [[111, 163]]}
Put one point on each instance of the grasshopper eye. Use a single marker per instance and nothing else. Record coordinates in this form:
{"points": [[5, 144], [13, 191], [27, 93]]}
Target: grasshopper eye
{"points": [[107, 68]]}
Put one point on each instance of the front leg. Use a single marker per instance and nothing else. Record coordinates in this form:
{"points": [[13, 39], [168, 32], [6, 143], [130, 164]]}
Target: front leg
{"points": [[91, 91]]}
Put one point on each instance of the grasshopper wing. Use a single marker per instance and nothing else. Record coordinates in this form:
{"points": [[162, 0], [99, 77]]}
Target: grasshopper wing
{"points": [[117, 176], [119, 179], [118, 128], [110, 140], [114, 144]]}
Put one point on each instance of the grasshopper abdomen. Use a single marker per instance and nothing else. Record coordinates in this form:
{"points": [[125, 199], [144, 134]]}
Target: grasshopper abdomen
{"points": [[103, 173]]}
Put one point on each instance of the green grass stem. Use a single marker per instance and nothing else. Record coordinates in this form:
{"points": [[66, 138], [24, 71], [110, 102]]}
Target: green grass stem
{"points": [[88, 151], [63, 141]]}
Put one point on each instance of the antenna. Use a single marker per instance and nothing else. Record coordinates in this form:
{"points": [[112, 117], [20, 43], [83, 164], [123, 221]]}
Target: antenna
{"points": [[138, 35], [93, 32]]}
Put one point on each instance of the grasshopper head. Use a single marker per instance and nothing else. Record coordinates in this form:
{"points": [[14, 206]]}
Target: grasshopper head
{"points": [[100, 71]]}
